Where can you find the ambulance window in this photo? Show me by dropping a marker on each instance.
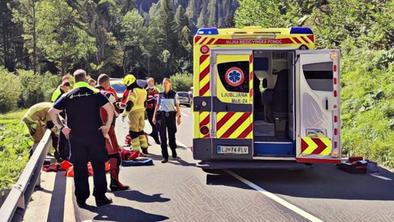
(234, 76)
(319, 76)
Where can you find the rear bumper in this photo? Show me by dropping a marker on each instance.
(256, 164)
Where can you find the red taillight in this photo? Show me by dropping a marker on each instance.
(335, 119)
(335, 131)
(335, 93)
(204, 49)
(334, 68)
(335, 81)
(204, 130)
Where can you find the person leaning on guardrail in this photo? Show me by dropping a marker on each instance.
(86, 135)
(37, 121)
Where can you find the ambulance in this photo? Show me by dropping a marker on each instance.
(264, 94)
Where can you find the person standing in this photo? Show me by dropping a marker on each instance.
(62, 148)
(135, 110)
(87, 135)
(151, 102)
(167, 115)
(112, 146)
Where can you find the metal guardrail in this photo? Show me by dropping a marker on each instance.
(17, 200)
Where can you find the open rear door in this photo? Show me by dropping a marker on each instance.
(317, 106)
(232, 104)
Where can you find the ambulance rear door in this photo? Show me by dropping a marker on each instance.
(232, 103)
(317, 106)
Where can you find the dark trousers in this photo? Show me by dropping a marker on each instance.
(84, 149)
(167, 123)
(150, 113)
(63, 147)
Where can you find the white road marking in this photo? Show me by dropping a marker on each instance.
(380, 177)
(276, 198)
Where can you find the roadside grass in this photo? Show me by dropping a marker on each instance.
(15, 143)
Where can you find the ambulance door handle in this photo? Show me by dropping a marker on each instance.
(326, 103)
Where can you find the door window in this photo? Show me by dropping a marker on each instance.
(319, 76)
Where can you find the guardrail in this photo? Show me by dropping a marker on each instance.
(17, 200)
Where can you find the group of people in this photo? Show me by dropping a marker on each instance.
(85, 117)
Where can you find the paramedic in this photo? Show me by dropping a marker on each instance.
(167, 112)
(135, 110)
(86, 134)
(111, 144)
(150, 107)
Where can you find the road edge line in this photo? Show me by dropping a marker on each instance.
(69, 205)
(275, 198)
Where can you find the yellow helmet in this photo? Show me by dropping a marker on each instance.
(129, 79)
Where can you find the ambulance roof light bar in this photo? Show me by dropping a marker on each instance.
(208, 31)
(300, 30)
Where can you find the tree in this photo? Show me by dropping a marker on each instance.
(62, 37)
(26, 14)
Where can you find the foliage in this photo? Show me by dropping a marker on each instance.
(182, 81)
(35, 87)
(10, 90)
(15, 143)
(363, 30)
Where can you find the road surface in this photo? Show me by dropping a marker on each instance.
(180, 191)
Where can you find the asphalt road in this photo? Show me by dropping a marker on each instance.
(180, 191)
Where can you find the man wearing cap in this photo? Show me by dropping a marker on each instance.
(86, 134)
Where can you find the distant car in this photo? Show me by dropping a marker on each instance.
(118, 85)
(185, 98)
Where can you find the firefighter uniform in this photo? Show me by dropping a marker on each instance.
(82, 106)
(135, 111)
(37, 121)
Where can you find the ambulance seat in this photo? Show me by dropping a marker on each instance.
(280, 95)
(267, 99)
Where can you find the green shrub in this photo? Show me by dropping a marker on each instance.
(15, 143)
(182, 81)
(10, 90)
(36, 87)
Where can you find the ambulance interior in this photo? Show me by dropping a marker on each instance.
(273, 99)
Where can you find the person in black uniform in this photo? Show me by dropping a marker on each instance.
(86, 135)
(167, 115)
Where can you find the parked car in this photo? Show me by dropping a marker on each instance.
(118, 85)
(185, 98)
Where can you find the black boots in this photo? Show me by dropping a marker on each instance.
(102, 200)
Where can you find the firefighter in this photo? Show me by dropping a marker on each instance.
(37, 121)
(167, 115)
(135, 110)
(152, 92)
(111, 144)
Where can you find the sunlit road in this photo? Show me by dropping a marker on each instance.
(180, 191)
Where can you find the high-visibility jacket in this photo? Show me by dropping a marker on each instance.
(138, 98)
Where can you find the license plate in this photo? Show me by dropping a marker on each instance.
(233, 149)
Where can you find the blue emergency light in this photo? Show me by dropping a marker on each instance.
(208, 31)
(300, 30)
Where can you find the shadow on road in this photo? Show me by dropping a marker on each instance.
(122, 213)
(141, 197)
(320, 181)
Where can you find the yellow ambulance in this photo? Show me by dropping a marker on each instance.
(262, 94)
